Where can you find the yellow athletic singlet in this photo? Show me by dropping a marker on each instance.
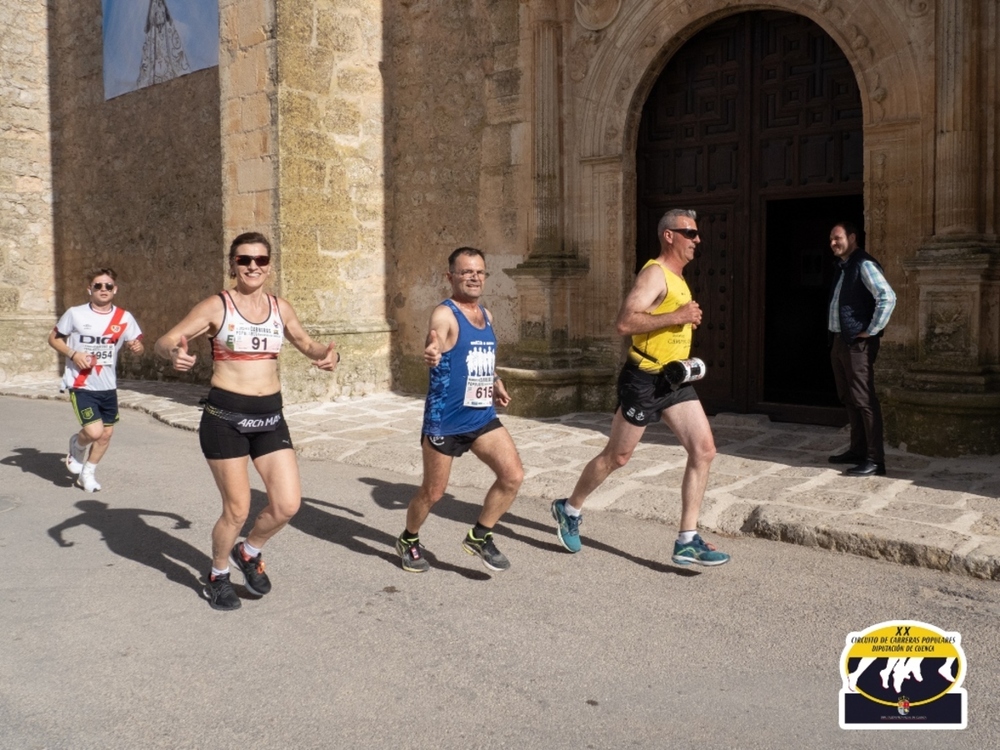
(664, 344)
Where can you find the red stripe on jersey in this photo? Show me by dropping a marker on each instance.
(116, 330)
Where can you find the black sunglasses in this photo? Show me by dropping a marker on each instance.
(99, 286)
(691, 234)
(246, 260)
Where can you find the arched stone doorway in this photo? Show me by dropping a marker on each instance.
(756, 123)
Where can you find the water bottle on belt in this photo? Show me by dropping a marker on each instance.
(683, 371)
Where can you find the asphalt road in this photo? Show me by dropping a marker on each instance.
(105, 641)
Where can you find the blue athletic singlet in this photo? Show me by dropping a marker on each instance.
(460, 396)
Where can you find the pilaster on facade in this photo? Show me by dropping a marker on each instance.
(949, 402)
(28, 281)
(959, 200)
(303, 151)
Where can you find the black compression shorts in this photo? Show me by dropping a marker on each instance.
(456, 445)
(226, 413)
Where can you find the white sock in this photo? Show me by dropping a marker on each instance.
(249, 550)
(216, 572)
(89, 468)
(569, 510)
(686, 537)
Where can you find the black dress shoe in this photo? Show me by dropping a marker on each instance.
(867, 469)
(846, 458)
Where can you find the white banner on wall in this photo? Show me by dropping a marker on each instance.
(151, 41)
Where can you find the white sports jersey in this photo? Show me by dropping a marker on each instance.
(100, 334)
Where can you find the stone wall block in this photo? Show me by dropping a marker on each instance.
(308, 141)
(256, 112)
(307, 174)
(299, 110)
(255, 21)
(254, 175)
(342, 118)
(306, 68)
(246, 75)
(358, 80)
(338, 32)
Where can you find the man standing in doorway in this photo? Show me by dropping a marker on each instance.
(860, 306)
(659, 314)
(460, 415)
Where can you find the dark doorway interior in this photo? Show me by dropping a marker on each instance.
(800, 269)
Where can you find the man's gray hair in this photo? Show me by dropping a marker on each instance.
(668, 219)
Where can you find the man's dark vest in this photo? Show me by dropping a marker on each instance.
(857, 305)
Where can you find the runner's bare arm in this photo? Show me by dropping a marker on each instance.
(58, 342)
(647, 293)
(325, 357)
(205, 317)
(442, 335)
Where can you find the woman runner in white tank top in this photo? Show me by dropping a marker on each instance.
(243, 416)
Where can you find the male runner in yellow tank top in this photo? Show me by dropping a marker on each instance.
(659, 314)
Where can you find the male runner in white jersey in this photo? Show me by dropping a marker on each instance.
(90, 337)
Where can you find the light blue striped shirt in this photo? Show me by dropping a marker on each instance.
(885, 299)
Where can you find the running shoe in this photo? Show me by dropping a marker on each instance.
(411, 554)
(76, 456)
(254, 577)
(88, 481)
(568, 529)
(698, 551)
(220, 593)
(492, 557)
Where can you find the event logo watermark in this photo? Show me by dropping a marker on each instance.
(903, 674)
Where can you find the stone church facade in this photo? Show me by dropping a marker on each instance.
(369, 139)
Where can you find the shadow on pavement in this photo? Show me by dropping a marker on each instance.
(47, 466)
(397, 496)
(129, 536)
(341, 526)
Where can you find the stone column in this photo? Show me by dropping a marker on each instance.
(958, 202)
(546, 137)
(949, 403)
(548, 377)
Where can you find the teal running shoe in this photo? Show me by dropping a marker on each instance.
(568, 529)
(698, 551)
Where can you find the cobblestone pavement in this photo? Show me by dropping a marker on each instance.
(769, 480)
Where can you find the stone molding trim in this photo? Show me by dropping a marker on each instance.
(625, 65)
(594, 15)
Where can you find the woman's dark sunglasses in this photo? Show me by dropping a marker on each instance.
(691, 234)
(246, 260)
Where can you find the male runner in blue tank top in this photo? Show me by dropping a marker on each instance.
(459, 414)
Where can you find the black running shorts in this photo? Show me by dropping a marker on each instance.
(220, 438)
(456, 445)
(643, 396)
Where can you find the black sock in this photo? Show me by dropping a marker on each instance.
(479, 531)
(408, 536)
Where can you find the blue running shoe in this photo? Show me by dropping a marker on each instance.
(568, 530)
(698, 551)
